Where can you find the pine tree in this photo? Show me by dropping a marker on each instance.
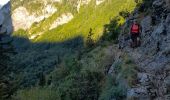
(89, 41)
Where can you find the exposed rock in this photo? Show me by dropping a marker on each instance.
(35, 36)
(5, 19)
(158, 3)
(63, 19)
(146, 24)
(85, 2)
(81, 3)
(143, 78)
(167, 51)
(137, 93)
(57, 1)
(167, 82)
(22, 18)
(98, 2)
(1, 18)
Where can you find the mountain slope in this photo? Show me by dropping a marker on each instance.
(89, 16)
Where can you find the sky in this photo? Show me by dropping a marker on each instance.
(3, 2)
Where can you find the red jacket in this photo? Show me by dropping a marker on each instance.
(135, 29)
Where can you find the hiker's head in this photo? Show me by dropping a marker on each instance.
(134, 21)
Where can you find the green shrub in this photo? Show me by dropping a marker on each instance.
(112, 90)
(111, 30)
(125, 14)
(81, 86)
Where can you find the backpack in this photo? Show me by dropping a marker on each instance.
(135, 29)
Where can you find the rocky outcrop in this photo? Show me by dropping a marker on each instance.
(98, 2)
(63, 19)
(22, 19)
(153, 56)
(81, 3)
(85, 2)
(5, 19)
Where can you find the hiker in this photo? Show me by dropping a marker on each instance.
(135, 31)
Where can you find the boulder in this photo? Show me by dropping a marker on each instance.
(158, 3)
(139, 93)
(143, 78)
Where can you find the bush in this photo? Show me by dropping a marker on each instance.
(81, 86)
(112, 90)
(125, 14)
(111, 30)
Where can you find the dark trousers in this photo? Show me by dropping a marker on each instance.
(134, 36)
